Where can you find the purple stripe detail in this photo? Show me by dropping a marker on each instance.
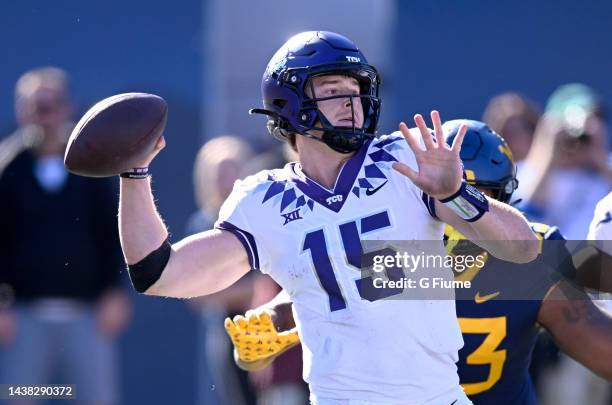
(430, 204)
(274, 189)
(387, 141)
(382, 156)
(373, 172)
(344, 184)
(364, 183)
(288, 197)
(432, 207)
(356, 191)
(247, 240)
(300, 201)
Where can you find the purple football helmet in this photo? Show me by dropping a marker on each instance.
(291, 110)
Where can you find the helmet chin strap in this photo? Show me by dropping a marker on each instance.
(335, 138)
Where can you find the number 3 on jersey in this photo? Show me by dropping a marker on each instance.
(316, 243)
(488, 353)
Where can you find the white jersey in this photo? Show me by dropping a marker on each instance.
(600, 231)
(601, 225)
(306, 238)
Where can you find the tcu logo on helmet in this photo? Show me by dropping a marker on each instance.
(353, 59)
(333, 199)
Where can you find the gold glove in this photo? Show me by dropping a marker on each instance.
(255, 338)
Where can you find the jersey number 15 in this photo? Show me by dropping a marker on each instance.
(350, 234)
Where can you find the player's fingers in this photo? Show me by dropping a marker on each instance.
(410, 138)
(266, 321)
(437, 125)
(241, 322)
(250, 313)
(425, 134)
(252, 321)
(458, 141)
(230, 328)
(406, 171)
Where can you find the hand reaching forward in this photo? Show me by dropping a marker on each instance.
(440, 168)
(256, 340)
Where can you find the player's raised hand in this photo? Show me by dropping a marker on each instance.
(440, 168)
(256, 340)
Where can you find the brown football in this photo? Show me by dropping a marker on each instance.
(116, 134)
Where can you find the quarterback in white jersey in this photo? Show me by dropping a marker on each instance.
(353, 345)
(303, 224)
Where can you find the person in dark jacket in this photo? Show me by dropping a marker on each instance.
(61, 305)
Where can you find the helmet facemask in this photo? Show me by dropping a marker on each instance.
(343, 139)
(308, 120)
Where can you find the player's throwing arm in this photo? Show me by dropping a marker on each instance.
(120, 136)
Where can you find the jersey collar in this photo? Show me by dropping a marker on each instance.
(330, 199)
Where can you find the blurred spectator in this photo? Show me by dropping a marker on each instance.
(218, 165)
(568, 174)
(62, 305)
(566, 170)
(515, 117)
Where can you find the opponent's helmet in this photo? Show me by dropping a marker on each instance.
(487, 160)
(291, 110)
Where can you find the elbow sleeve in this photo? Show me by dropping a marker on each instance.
(147, 271)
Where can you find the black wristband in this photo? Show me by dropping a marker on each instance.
(136, 173)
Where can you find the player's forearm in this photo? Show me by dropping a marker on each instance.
(140, 227)
(580, 329)
(505, 233)
(502, 231)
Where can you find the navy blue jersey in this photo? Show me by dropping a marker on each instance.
(498, 319)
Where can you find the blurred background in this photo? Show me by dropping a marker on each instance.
(206, 58)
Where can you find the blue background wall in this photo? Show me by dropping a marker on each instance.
(456, 55)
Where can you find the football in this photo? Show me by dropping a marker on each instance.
(116, 134)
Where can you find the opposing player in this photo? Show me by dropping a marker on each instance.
(501, 314)
(302, 225)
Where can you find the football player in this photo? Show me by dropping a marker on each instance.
(302, 225)
(503, 311)
(507, 304)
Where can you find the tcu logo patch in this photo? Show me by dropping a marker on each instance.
(353, 59)
(291, 216)
(333, 199)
